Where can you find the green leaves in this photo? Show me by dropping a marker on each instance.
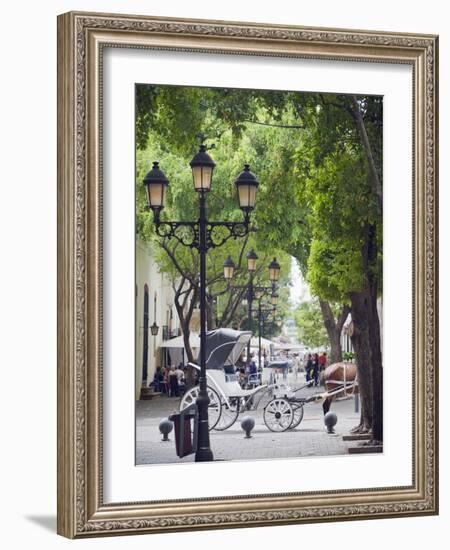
(311, 330)
(314, 201)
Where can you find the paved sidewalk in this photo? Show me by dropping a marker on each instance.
(310, 438)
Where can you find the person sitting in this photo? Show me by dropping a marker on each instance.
(158, 380)
(252, 368)
(164, 381)
(180, 377)
(173, 382)
(242, 379)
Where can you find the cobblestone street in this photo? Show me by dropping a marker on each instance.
(309, 439)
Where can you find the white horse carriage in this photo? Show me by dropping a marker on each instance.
(227, 399)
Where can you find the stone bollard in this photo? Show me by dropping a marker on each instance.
(165, 427)
(247, 424)
(330, 420)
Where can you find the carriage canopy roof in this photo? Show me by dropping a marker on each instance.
(224, 346)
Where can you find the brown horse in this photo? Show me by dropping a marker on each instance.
(340, 381)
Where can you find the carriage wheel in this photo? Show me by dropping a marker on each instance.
(228, 414)
(298, 415)
(214, 407)
(278, 415)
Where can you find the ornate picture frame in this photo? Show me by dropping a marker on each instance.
(82, 511)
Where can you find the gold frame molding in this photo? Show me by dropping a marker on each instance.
(81, 510)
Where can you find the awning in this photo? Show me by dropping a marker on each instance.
(178, 342)
(265, 343)
(288, 346)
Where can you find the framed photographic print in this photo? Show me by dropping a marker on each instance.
(247, 289)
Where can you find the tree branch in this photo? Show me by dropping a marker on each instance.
(274, 125)
(173, 259)
(342, 317)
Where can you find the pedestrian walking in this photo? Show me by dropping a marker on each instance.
(309, 368)
(253, 368)
(315, 362)
(322, 366)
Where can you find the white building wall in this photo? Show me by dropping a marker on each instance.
(158, 284)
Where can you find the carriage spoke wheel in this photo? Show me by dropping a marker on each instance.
(298, 415)
(278, 415)
(214, 407)
(229, 414)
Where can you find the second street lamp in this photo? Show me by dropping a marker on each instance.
(228, 268)
(201, 235)
(274, 271)
(251, 261)
(263, 313)
(254, 292)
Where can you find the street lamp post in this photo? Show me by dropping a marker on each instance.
(202, 236)
(262, 315)
(254, 291)
(251, 268)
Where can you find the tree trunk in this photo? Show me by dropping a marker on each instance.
(367, 341)
(334, 329)
(375, 344)
(190, 373)
(361, 344)
(377, 369)
(210, 313)
(185, 307)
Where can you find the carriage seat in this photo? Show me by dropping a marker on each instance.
(231, 388)
(253, 380)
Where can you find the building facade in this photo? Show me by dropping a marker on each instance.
(153, 304)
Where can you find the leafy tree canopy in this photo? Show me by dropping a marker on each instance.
(315, 199)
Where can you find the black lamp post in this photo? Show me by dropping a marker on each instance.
(263, 313)
(251, 268)
(202, 236)
(254, 292)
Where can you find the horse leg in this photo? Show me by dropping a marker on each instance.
(326, 405)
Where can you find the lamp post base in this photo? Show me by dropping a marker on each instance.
(204, 455)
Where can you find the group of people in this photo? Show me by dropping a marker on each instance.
(170, 381)
(315, 365)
